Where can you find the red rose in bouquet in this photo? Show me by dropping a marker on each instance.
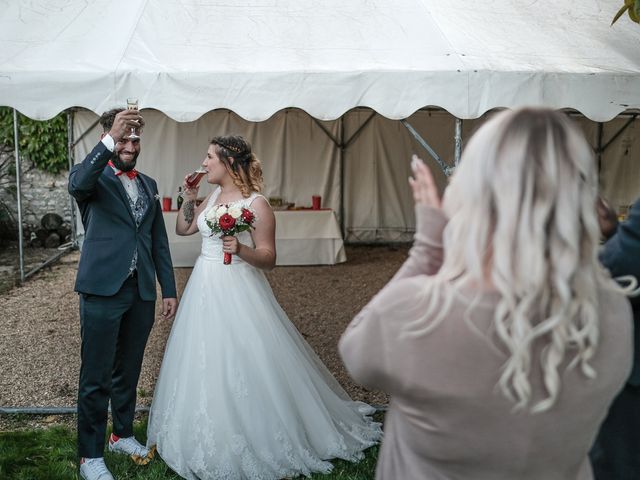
(227, 222)
(247, 215)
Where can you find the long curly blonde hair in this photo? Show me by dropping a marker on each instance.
(522, 219)
(245, 169)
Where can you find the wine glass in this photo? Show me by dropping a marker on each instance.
(191, 181)
(194, 178)
(132, 104)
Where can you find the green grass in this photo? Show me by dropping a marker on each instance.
(50, 454)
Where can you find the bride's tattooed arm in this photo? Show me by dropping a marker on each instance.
(186, 223)
(187, 210)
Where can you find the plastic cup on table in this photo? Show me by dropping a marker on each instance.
(316, 201)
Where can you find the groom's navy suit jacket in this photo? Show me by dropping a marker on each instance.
(621, 255)
(111, 234)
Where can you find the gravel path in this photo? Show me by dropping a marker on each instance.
(40, 338)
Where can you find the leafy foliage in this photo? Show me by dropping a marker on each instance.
(43, 142)
(632, 7)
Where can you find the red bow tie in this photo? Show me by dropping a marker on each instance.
(131, 173)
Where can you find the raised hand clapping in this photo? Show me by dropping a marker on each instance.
(425, 191)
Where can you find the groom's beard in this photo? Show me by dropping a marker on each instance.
(122, 165)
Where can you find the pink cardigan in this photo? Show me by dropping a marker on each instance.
(447, 418)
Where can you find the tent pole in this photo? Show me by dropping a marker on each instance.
(359, 131)
(326, 132)
(458, 142)
(72, 205)
(342, 145)
(63, 248)
(351, 139)
(599, 146)
(18, 193)
(343, 226)
(82, 135)
(619, 132)
(446, 169)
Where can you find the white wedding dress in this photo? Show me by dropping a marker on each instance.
(241, 395)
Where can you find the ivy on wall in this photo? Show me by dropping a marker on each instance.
(43, 142)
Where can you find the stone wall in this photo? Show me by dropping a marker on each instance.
(42, 193)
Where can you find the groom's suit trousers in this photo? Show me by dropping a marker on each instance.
(114, 333)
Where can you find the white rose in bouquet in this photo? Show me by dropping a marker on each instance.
(221, 210)
(235, 211)
(211, 215)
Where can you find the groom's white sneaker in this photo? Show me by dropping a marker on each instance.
(130, 446)
(94, 469)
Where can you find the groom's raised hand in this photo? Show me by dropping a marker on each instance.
(169, 307)
(123, 122)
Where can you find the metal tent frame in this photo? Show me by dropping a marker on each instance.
(64, 249)
(341, 143)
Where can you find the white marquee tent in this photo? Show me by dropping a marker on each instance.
(318, 86)
(256, 57)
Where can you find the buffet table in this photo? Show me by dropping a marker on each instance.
(303, 237)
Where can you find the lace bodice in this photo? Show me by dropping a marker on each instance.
(211, 244)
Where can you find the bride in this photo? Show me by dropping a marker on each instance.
(240, 393)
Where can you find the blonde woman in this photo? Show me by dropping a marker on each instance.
(240, 393)
(501, 340)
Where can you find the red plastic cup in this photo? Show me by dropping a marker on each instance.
(316, 201)
(166, 204)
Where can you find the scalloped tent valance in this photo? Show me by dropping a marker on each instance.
(256, 57)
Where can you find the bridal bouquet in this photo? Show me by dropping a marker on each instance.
(229, 220)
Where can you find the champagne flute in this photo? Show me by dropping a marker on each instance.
(132, 104)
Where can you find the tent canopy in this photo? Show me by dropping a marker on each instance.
(257, 57)
(237, 66)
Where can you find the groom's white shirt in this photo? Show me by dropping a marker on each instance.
(129, 184)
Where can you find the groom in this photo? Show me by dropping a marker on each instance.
(125, 247)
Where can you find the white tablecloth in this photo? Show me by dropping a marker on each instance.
(303, 237)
